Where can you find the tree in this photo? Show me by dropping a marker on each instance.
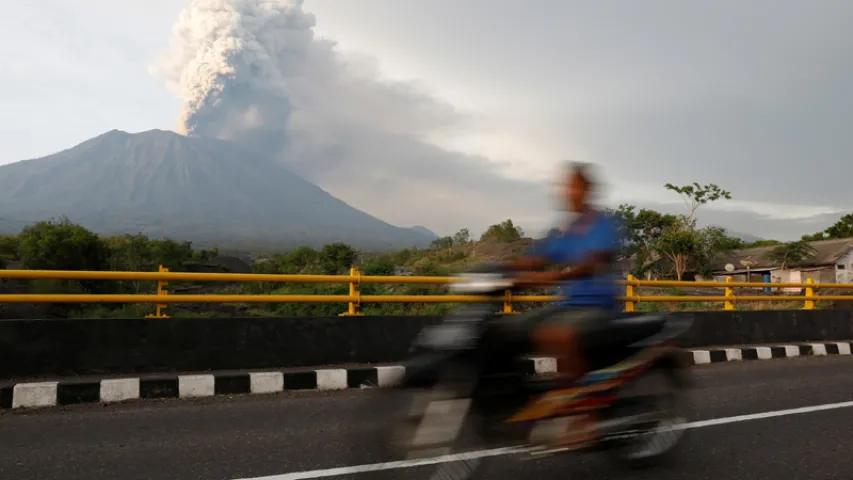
(300, 260)
(504, 232)
(711, 242)
(696, 195)
(382, 266)
(170, 253)
(441, 243)
(843, 228)
(791, 253)
(61, 245)
(678, 242)
(9, 246)
(640, 231)
(461, 237)
(717, 239)
(8, 249)
(336, 258)
(762, 243)
(130, 253)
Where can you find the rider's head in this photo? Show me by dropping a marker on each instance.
(578, 187)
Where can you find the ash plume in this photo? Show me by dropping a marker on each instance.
(253, 71)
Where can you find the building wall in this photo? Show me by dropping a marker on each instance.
(840, 272)
(824, 275)
(844, 269)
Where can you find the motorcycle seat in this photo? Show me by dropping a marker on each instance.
(616, 342)
(627, 328)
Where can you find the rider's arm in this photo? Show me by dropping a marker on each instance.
(537, 257)
(606, 238)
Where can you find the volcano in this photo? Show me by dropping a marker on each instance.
(208, 191)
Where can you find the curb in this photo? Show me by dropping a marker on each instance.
(106, 391)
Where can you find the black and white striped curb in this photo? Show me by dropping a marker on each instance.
(734, 354)
(70, 392)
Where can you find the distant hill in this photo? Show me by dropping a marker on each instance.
(424, 231)
(744, 236)
(208, 191)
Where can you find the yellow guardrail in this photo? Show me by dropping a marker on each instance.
(354, 299)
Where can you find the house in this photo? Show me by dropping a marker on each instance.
(832, 263)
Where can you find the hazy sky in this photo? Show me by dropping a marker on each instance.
(755, 96)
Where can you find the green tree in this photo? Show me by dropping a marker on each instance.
(336, 258)
(130, 253)
(403, 256)
(762, 243)
(300, 260)
(680, 241)
(61, 245)
(696, 195)
(441, 243)
(791, 253)
(171, 254)
(640, 231)
(382, 266)
(461, 237)
(843, 228)
(504, 232)
(712, 241)
(9, 246)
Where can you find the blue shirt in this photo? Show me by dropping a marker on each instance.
(572, 247)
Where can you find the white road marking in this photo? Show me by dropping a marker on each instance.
(375, 467)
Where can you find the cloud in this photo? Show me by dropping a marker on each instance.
(253, 71)
(653, 109)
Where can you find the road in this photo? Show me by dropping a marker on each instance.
(255, 436)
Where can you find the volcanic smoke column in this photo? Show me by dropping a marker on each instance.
(235, 63)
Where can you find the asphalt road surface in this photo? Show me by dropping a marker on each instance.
(310, 435)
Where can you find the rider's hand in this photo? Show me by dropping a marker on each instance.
(533, 279)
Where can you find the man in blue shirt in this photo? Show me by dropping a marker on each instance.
(584, 253)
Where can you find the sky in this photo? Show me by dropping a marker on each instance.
(459, 113)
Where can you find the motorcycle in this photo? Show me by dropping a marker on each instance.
(468, 385)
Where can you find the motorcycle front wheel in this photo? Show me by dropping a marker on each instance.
(436, 424)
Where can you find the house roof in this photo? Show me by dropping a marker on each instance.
(229, 263)
(828, 252)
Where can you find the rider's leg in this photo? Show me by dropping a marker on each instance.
(562, 336)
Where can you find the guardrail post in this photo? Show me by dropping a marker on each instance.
(809, 304)
(730, 293)
(508, 303)
(630, 304)
(352, 309)
(161, 290)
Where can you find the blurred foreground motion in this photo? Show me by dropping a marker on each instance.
(621, 383)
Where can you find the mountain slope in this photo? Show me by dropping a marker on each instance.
(203, 190)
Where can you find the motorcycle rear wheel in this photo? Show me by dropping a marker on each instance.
(657, 442)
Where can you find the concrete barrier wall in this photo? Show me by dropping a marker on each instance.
(147, 345)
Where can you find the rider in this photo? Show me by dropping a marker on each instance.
(588, 247)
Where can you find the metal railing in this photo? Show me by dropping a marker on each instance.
(355, 299)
